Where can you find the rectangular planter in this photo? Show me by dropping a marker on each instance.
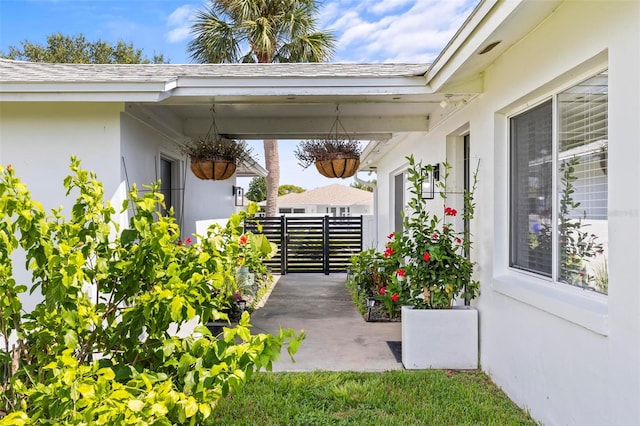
(440, 338)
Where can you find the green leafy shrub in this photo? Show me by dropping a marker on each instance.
(78, 360)
(429, 249)
(369, 273)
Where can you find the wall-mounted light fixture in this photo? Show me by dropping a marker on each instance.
(459, 102)
(238, 195)
(431, 176)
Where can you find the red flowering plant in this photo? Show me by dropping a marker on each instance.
(431, 252)
(394, 294)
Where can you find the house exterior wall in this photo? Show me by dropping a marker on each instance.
(38, 139)
(567, 355)
(194, 199)
(321, 209)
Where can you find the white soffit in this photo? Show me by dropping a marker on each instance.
(459, 67)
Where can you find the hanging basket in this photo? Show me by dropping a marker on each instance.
(339, 167)
(212, 169)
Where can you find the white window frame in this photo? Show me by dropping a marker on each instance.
(587, 309)
(177, 181)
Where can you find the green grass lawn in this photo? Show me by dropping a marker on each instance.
(429, 397)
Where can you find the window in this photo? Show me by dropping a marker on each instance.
(398, 201)
(339, 211)
(284, 210)
(558, 169)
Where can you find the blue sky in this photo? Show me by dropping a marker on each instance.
(401, 31)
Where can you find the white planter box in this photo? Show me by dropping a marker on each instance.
(440, 338)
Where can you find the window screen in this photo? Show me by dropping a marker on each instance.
(531, 190)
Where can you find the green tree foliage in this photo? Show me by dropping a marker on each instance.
(359, 185)
(115, 361)
(66, 49)
(261, 31)
(257, 189)
(289, 189)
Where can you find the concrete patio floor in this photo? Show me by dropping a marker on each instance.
(338, 338)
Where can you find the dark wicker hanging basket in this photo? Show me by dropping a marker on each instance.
(213, 169)
(339, 167)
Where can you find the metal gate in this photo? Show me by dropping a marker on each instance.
(311, 244)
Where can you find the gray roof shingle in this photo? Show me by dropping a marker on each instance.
(332, 195)
(26, 72)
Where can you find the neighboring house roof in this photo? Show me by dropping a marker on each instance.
(332, 195)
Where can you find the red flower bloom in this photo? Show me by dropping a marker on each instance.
(401, 272)
(458, 240)
(390, 236)
(435, 236)
(188, 240)
(426, 256)
(445, 229)
(388, 252)
(243, 240)
(450, 211)
(395, 297)
(383, 290)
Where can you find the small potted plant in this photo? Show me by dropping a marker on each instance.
(215, 157)
(334, 157)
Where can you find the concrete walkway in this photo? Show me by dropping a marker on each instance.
(338, 338)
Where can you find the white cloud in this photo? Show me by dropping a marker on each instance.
(180, 23)
(383, 7)
(410, 30)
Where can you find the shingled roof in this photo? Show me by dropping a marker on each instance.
(20, 71)
(332, 195)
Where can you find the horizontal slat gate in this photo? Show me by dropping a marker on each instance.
(311, 244)
(274, 229)
(345, 241)
(305, 244)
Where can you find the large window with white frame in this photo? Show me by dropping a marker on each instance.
(558, 186)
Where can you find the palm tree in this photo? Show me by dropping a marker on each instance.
(262, 31)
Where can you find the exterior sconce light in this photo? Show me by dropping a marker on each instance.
(431, 176)
(238, 195)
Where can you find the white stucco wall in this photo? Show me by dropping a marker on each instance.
(38, 139)
(568, 356)
(195, 199)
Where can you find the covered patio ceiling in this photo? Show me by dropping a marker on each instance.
(376, 102)
(300, 101)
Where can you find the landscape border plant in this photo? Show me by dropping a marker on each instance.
(78, 360)
(427, 263)
(430, 252)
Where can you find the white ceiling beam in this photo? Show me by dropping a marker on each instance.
(307, 127)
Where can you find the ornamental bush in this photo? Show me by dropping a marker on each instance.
(97, 349)
(431, 253)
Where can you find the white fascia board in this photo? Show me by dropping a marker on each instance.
(461, 37)
(253, 166)
(80, 97)
(301, 86)
(86, 91)
(482, 27)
